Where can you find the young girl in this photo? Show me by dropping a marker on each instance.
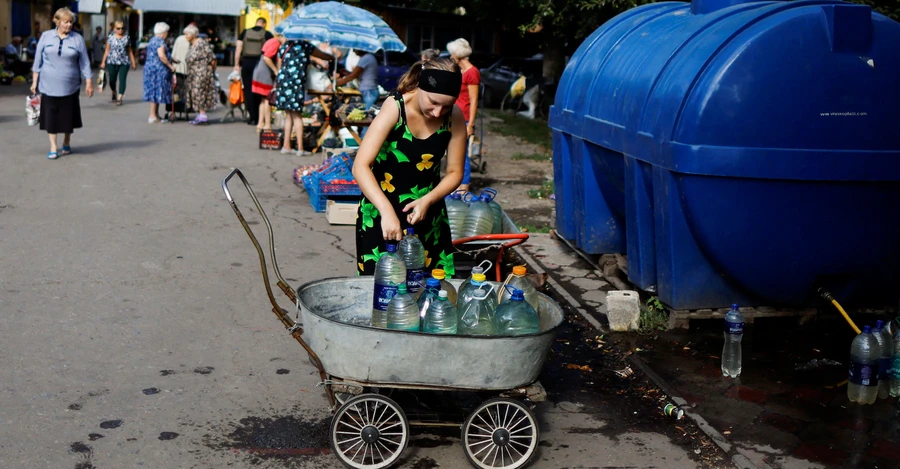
(398, 166)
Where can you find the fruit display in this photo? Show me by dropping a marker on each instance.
(356, 115)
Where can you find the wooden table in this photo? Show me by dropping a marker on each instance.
(343, 95)
(346, 123)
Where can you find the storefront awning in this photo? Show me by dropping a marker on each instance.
(203, 7)
(90, 6)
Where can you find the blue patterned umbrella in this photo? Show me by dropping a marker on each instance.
(341, 25)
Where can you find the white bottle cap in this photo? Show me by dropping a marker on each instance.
(442, 294)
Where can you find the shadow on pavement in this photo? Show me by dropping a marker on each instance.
(102, 147)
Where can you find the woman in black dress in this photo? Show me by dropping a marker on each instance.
(398, 166)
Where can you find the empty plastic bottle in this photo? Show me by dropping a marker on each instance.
(402, 313)
(476, 317)
(732, 355)
(429, 294)
(491, 195)
(515, 316)
(518, 280)
(390, 272)
(445, 285)
(478, 269)
(457, 210)
(413, 253)
(441, 316)
(475, 288)
(480, 219)
(895, 368)
(863, 378)
(886, 352)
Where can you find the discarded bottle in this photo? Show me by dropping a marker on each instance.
(518, 280)
(413, 253)
(457, 210)
(478, 269)
(390, 272)
(886, 352)
(476, 316)
(672, 410)
(428, 296)
(863, 378)
(491, 195)
(731, 352)
(473, 288)
(480, 219)
(402, 313)
(445, 285)
(516, 317)
(441, 316)
(895, 368)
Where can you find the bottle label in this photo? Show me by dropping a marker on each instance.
(863, 374)
(884, 368)
(383, 296)
(415, 279)
(734, 327)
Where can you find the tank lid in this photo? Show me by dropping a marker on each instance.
(391, 247)
(702, 7)
(519, 270)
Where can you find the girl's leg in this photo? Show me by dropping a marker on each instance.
(288, 127)
(263, 122)
(53, 145)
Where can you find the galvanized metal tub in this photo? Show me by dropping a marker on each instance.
(335, 315)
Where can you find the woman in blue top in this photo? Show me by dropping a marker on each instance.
(60, 63)
(158, 70)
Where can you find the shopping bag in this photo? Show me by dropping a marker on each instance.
(33, 109)
(236, 93)
(101, 79)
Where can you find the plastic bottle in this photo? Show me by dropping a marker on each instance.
(863, 378)
(474, 288)
(478, 269)
(886, 352)
(476, 316)
(732, 355)
(441, 316)
(895, 369)
(413, 253)
(457, 210)
(480, 219)
(491, 195)
(445, 285)
(515, 316)
(518, 280)
(429, 294)
(390, 272)
(402, 313)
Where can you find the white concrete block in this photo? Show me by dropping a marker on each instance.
(623, 309)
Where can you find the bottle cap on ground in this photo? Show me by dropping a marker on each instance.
(432, 283)
(867, 330)
(442, 294)
(391, 247)
(519, 270)
(401, 289)
(439, 274)
(478, 277)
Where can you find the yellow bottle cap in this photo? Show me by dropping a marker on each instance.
(479, 277)
(439, 274)
(519, 270)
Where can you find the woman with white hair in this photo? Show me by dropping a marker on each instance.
(460, 50)
(201, 79)
(158, 71)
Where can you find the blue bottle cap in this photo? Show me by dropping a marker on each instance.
(867, 330)
(432, 282)
(391, 247)
(410, 231)
(879, 325)
(734, 306)
(517, 295)
(455, 196)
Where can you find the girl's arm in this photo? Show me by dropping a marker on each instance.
(362, 168)
(105, 55)
(456, 154)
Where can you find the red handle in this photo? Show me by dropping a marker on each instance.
(514, 240)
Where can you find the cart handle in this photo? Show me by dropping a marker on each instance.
(512, 239)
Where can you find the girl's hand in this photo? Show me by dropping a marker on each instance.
(390, 226)
(416, 210)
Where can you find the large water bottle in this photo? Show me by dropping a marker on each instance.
(413, 253)
(445, 285)
(390, 272)
(478, 269)
(518, 280)
(402, 313)
(491, 195)
(441, 316)
(515, 316)
(732, 355)
(476, 317)
(428, 296)
(480, 219)
(895, 368)
(863, 379)
(474, 288)
(457, 210)
(886, 349)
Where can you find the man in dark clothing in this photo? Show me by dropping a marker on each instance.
(246, 56)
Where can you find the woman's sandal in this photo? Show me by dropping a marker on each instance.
(52, 155)
(119, 102)
(65, 150)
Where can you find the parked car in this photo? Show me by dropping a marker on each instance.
(499, 77)
(392, 66)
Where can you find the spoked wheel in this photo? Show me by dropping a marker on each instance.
(369, 432)
(500, 433)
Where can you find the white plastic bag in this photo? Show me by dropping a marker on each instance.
(101, 80)
(33, 109)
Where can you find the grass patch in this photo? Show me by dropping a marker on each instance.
(532, 156)
(530, 130)
(543, 192)
(535, 229)
(653, 316)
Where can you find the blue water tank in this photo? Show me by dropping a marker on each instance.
(738, 152)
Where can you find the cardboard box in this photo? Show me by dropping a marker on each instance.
(341, 213)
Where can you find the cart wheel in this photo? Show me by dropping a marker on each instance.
(369, 431)
(500, 433)
(483, 168)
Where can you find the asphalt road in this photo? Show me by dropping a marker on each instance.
(135, 330)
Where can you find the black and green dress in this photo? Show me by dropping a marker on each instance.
(407, 168)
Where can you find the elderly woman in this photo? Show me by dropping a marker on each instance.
(460, 50)
(116, 59)
(201, 79)
(60, 64)
(158, 71)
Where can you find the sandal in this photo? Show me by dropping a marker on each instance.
(52, 155)
(199, 121)
(288, 151)
(66, 150)
(119, 102)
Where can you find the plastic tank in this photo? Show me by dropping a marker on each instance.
(738, 152)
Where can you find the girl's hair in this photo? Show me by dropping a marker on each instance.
(63, 12)
(410, 80)
(429, 54)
